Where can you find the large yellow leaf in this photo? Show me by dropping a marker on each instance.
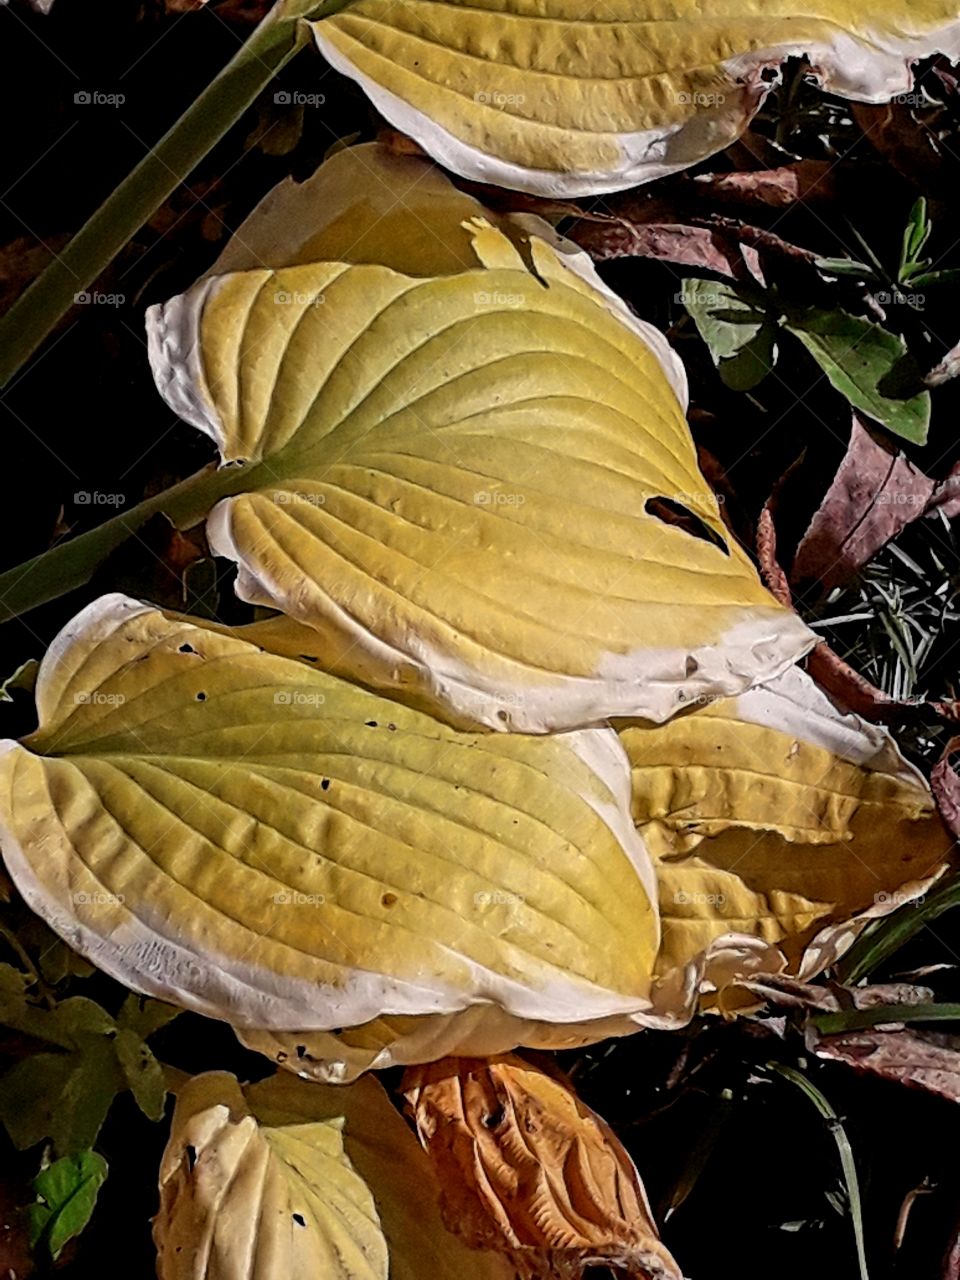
(529, 1169)
(463, 482)
(578, 96)
(283, 1180)
(241, 834)
(773, 820)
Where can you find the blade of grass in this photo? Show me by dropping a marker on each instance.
(883, 938)
(877, 1015)
(846, 1154)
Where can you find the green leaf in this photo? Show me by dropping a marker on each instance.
(143, 1074)
(736, 327)
(915, 236)
(846, 267)
(864, 362)
(66, 1195)
(146, 1016)
(883, 938)
(25, 677)
(65, 1095)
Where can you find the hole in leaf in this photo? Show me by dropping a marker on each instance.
(681, 517)
(187, 648)
(191, 1154)
(201, 696)
(493, 1119)
(299, 1219)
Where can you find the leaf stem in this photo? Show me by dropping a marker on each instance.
(73, 563)
(35, 313)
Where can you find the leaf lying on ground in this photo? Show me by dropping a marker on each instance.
(394, 440)
(66, 1196)
(777, 824)
(526, 1168)
(875, 494)
(288, 1181)
(946, 786)
(865, 363)
(589, 96)
(739, 332)
(925, 1060)
(249, 837)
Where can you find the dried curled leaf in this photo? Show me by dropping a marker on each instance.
(774, 820)
(478, 487)
(569, 97)
(526, 1168)
(246, 836)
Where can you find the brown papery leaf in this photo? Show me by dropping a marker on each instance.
(945, 785)
(531, 1171)
(919, 1059)
(874, 496)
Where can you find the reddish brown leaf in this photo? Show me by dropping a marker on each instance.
(945, 785)
(528, 1169)
(807, 180)
(875, 494)
(919, 1059)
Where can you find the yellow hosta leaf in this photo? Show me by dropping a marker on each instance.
(241, 1200)
(772, 816)
(384, 1151)
(464, 482)
(569, 97)
(528, 1169)
(246, 836)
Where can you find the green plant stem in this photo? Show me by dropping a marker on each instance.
(71, 564)
(34, 315)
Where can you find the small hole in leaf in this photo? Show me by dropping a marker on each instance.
(769, 75)
(681, 517)
(191, 1154)
(371, 724)
(493, 1119)
(301, 1050)
(299, 1219)
(201, 696)
(187, 648)
(325, 784)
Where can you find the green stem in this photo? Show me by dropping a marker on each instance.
(71, 564)
(34, 315)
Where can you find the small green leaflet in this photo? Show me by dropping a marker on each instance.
(64, 1094)
(866, 364)
(737, 328)
(66, 1196)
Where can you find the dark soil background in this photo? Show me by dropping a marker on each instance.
(742, 1173)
